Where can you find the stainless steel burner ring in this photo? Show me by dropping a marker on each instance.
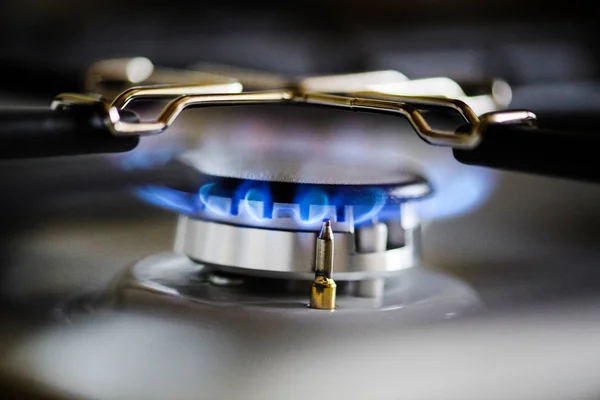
(367, 252)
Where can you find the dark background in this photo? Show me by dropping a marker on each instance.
(46, 45)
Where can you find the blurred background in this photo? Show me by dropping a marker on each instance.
(521, 241)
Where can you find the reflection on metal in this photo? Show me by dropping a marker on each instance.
(169, 278)
(156, 92)
(370, 239)
(251, 79)
(103, 76)
(323, 288)
(408, 106)
(125, 70)
(349, 83)
(499, 96)
(285, 253)
(409, 100)
(110, 77)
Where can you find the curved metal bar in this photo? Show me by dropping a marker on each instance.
(414, 116)
(161, 91)
(229, 95)
(172, 110)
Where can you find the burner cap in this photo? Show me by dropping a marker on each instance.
(297, 198)
(285, 205)
(320, 166)
(271, 179)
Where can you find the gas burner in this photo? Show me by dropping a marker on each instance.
(277, 246)
(269, 228)
(266, 224)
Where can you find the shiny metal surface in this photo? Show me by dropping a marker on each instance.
(174, 281)
(110, 77)
(499, 96)
(372, 238)
(323, 293)
(301, 165)
(323, 288)
(348, 83)
(227, 93)
(325, 250)
(101, 77)
(284, 253)
(124, 98)
(402, 105)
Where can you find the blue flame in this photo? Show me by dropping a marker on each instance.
(387, 212)
(311, 204)
(257, 204)
(204, 192)
(145, 160)
(365, 214)
(170, 199)
(153, 151)
(458, 191)
(217, 205)
(315, 197)
(257, 200)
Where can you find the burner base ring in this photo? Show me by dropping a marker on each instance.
(288, 254)
(170, 279)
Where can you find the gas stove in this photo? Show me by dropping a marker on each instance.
(273, 245)
(259, 245)
(279, 229)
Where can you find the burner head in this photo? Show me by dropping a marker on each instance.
(290, 161)
(277, 205)
(269, 227)
(280, 204)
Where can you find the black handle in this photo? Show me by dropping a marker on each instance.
(573, 155)
(78, 129)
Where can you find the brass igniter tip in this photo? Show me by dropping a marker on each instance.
(322, 292)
